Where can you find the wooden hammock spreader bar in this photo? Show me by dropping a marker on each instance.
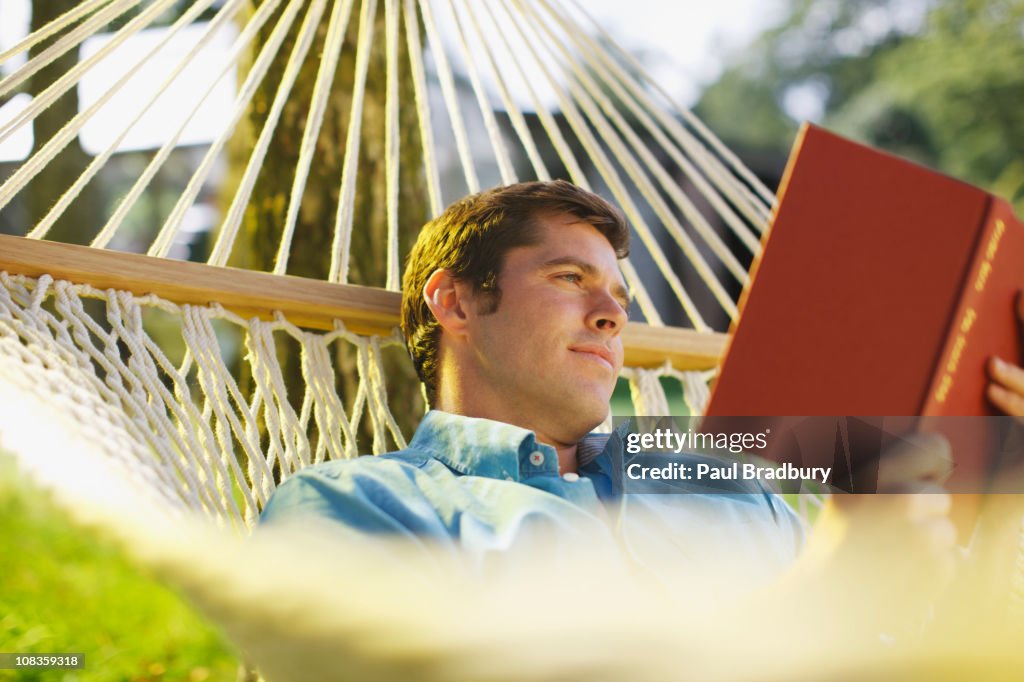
(310, 303)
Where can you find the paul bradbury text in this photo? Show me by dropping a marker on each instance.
(735, 471)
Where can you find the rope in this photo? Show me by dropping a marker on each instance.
(508, 175)
(321, 93)
(74, 379)
(597, 62)
(219, 450)
(115, 221)
(98, 426)
(766, 198)
(195, 456)
(392, 144)
(338, 436)
(381, 392)
(350, 164)
(444, 74)
(547, 121)
(202, 342)
(595, 108)
(610, 176)
(636, 285)
(53, 27)
(73, 75)
(647, 393)
(640, 179)
(63, 44)
(511, 108)
(363, 362)
(37, 161)
(117, 378)
(287, 444)
(640, 104)
(229, 228)
(125, 318)
(192, 435)
(43, 226)
(419, 83)
(169, 230)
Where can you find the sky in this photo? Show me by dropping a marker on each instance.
(687, 41)
(682, 44)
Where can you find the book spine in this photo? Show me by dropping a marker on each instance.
(962, 327)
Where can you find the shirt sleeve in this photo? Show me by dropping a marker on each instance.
(377, 497)
(315, 494)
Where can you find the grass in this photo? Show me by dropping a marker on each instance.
(66, 590)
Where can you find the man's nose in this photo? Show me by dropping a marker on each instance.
(607, 314)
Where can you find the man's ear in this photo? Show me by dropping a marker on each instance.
(446, 298)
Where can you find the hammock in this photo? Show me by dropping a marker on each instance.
(149, 439)
(203, 440)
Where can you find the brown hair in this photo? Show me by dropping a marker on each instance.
(470, 240)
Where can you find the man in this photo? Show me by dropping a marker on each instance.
(513, 307)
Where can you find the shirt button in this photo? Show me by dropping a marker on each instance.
(537, 458)
(571, 477)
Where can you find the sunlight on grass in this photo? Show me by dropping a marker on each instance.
(67, 590)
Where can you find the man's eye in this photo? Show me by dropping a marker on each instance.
(571, 277)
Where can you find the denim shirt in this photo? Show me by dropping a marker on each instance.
(476, 485)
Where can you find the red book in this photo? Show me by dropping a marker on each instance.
(882, 289)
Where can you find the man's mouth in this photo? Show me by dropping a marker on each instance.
(596, 353)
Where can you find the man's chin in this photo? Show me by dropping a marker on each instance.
(574, 410)
(593, 413)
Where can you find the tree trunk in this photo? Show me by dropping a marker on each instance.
(312, 242)
(79, 222)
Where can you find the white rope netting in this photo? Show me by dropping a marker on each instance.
(184, 431)
(185, 426)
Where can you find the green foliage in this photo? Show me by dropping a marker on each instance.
(761, 125)
(622, 401)
(965, 83)
(66, 590)
(940, 82)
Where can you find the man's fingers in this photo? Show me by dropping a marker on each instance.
(1007, 401)
(1007, 388)
(917, 460)
(1006, 391)
(1020, 321)
(1009, 375)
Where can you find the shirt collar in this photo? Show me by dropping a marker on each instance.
(600, 457)
(483, 447)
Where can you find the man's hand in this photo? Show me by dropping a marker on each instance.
(909, 513)
(1007, 388)
(1006, 391)
(885, 557)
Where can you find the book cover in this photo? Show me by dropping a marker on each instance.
(882, 289)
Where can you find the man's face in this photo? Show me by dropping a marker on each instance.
(551, 352)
